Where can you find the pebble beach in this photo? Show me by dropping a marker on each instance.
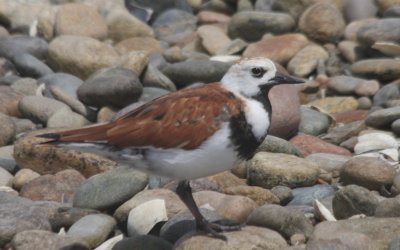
(326, 177)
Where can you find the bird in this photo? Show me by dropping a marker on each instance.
(190, 133)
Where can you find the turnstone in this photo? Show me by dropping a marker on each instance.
(192, 132)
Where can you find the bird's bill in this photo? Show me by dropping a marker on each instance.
(281, 78)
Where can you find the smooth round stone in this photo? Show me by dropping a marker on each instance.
(206, 16)
(272, 169)
(359, 9)
(383, 117)
(352, 200)
(111, 87)
(80, 19)
(283, 220)
(386, 93)
(367, 88)
(368, 172)
(328, 162)
(174, 25)
(309, 144)
(138, 242)
(382, 69)
(150, 93)
(344, 85)
(131, 44)
(66, 82)
(352, 28)
(351, 51)
(306, 60)
(260, 195)
(283, 193)
(45, 22)
(24, 176)
(160, 7)
(123, 25)
(135, 61)
(7, 129)
(9, 164)
(26, 86)
(388, 208)
(153, 77)
(40, 239)
(313, 122)
(392, 12)
(93, 55)
(185, 73)
(246, 238)
(364, 103)
(339, 134)
(213, 38)
(322, 22)
(396, 127)
(66, 118)
(10, 99)
(29, 66)
(58, 187)
(93, 229)
(363, 233)
(12, 46)
(275, 144)
(110, 189)
(386, 29)
(7, 67)
(39, 109)
(335, 104)
(233, 47)
(252, 25)
(307, 195)
(375, 141)
(279, 48)
(6, 179)
(106, 113)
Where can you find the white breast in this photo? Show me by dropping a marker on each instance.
(257, 117)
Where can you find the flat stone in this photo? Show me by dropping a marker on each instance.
(306, 60)
(344, 85)
(11, 46)
(381, 69)
(313, 122)
(386, 29)
(383, 117)
(93, 229)
(335, 104)
(39, 109)
(367, 88)
(40, 239)
(260, 195)
(25, 86)
(308, 144)
(252, 25)
(213, 38)
(206, 17)
(153, 77)
(347, 117)
(101, 88)
(360, 9)
(233, 47)
(364, 233)
(272, 169)
(279, 48)
(368, 172)
(322, 22)
(59, 187)
(29, 66)
(94, 55)
(275, 144)
(385, 94)
(47, 159)
(283, 220)
(352, 200)
(66, 118)
(305, 196)
(328, 162)
(147, 44)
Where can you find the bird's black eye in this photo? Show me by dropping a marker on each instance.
(258, 72)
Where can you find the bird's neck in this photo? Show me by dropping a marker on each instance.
(263, 98)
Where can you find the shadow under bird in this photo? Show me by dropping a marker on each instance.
(190, 133)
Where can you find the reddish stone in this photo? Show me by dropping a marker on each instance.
(308, 144)
(206, 16)
(350, 116)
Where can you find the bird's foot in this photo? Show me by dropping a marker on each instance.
(213, 228)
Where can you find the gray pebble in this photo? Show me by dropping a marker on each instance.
(313, 122)
(307, 195)
(29, 66)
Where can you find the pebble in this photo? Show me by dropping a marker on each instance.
(25, 86)
(383, 117)
(260, 195)
(213, 38)
(386, 94)
(283, 193)
(24, 176)
(135, 61)
(96, 91)
(306, 60)
(335, 104)
(313, 122)
(381, 69)
(10, 99)
(7, 129)
(92, 229)
(364, 103)
(252, 25)
(153, 77)
(110, 189)
(280, 48)
(271, 169)
(66, 118)
(60, 187)
(207, 17)
(283, 220)
(147, 44)
(305, 196)
(149, 242)
(363, 233)
(65, 216)
(339, 134)
(275, 144)
(29, 66)
(66, 82)
(94, 55)
(367, 88)
(344, 85)
(352, 200)
(322, 22)
(150, 93)
(360, 9)
(11, 46)
(368, 172)
(6, 179)
(374, 142)
(235, 46)
(388, 208)
(386, 29)
(309, 144)
(328, 162)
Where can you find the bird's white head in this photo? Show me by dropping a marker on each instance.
(250, 75)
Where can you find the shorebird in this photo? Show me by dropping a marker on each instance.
(190, 133)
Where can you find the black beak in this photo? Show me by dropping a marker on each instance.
(280, 78)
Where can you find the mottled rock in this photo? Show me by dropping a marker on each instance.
(47, 159)
(93, 229)
(153, 77)
(284, 194)
(135, 61)
(307, 195)
(386, 29)
(65, 216)
(382, 69)
(81, 20)
(147, 44)
(260, 195)
(322, 22)
(306, 60)
(111, 189)
(9, 99)
(272, 169)
(252, 25)
(335, 104)
(278, 48)
(94, 55)
(24, 176)
(352, 200)
(213, 38)
(388, 208)
(285, 221)
(313, 122)
(274, 144)
(308, 144)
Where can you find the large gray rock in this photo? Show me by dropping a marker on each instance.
(110, 189)
(111, 86)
